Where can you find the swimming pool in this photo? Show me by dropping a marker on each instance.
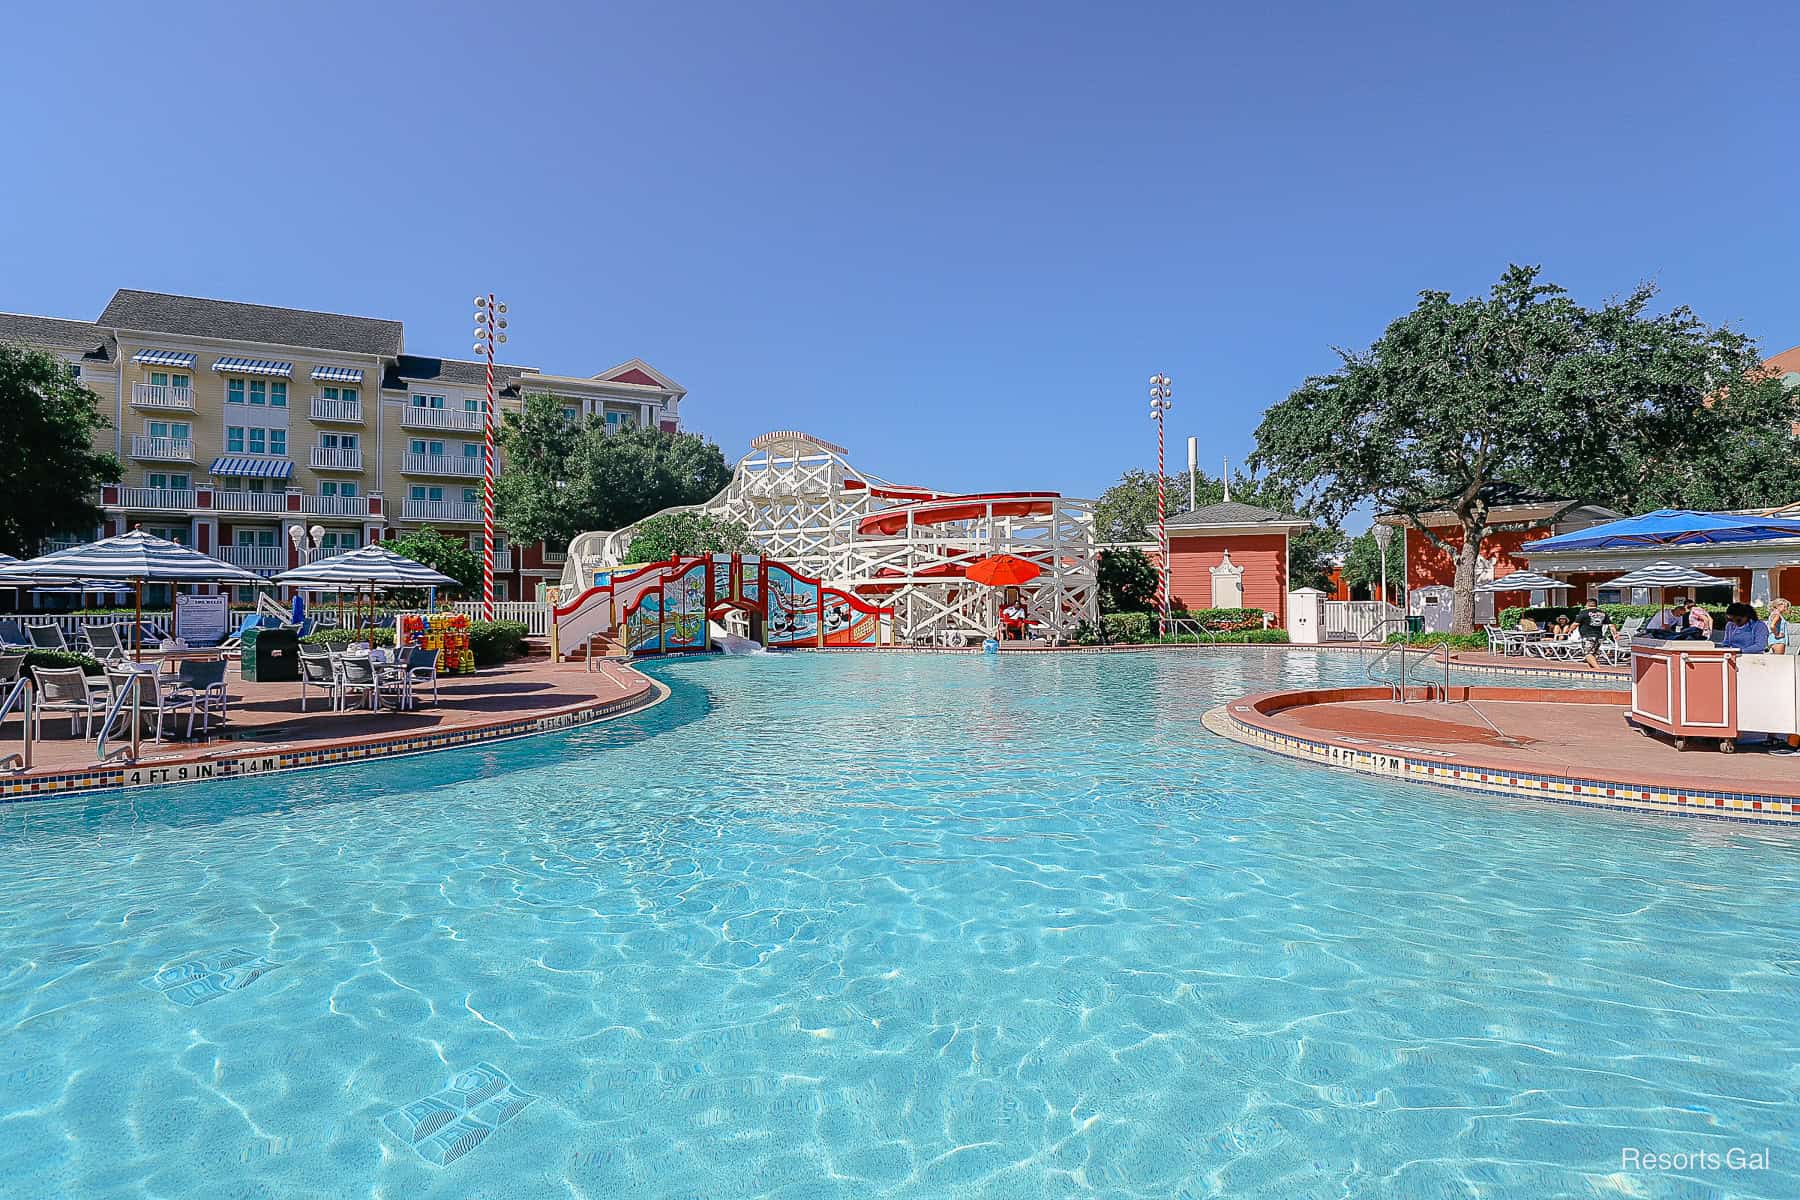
(890, 925)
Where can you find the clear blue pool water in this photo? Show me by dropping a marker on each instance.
(894, 926)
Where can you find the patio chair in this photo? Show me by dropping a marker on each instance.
(13, 634)
(151, 697)
(1557, 649)
(1619, 649)
(201, 685)
(46, 637)
(357, 673)
(420, 669)
(11, 665)
(68, 690)
(319, 669)
(105, 642)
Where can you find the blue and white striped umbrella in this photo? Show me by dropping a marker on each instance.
(1665, 574)
(371, 566)
(1521, 581)
(136, 557)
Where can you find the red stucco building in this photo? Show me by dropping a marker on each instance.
(1232, 555)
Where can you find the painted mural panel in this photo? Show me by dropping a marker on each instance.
(750, 587)
(721, 577)
(685, 604)
(643, 625)
(850, 621)
(793, 608)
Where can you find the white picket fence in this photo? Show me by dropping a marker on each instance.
(1360, 620)
(533, 615)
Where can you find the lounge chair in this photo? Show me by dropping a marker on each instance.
(13, 634)
(105, 642)
(46, 637)
(68, 690)
(1558, 649)
(1619, 649)
(10, 666)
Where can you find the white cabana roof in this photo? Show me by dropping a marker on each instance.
(135, 557)
(369, 566)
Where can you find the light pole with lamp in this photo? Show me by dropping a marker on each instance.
(1383, 535)
(490, 329)
(1160, 391)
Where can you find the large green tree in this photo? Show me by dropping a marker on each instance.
(671, 535)
(1126, 512)
(1461, 402)
(440, 552)
(48, 425)
(1127, 580)
(563, 478)
(1362, 564)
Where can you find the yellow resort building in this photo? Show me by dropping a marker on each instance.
(237, 424)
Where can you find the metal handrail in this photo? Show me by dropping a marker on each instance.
(1397, 690)
(23, 694)
(135, 691)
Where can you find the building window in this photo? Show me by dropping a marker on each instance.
(569, 413)
(469, 495)
(421, 446)
(74, 370)
(348, 395)
(259, 392)
(179, 430)
(333, 487)
(335, 542)
(234, 439)
(278, 393)
(423, 401)
(234, 391)
(170, 533)
(165, 379)
(338, 441)
(473, 449)
(473, 406)
(421, 492)
(167, 482)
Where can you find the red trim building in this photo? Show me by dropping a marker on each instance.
(1219, 553)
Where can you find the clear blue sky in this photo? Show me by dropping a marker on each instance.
(955, 238)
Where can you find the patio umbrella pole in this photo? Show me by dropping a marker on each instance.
(137, 620)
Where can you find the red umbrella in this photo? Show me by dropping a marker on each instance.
(1004, 570)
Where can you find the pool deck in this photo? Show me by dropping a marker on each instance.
(266, 730)
(1571, 746)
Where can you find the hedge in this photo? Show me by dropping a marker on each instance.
(1234, 625)
(375, 635)
(496, 642)
(61, 659)
(1456, 641)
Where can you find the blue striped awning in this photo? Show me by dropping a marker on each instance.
(337, 375)
(252, 366)
(164, 358)
(232, 467)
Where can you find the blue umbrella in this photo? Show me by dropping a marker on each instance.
(1672, 527)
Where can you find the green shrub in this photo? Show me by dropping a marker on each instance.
(61, 659)
(1237, 625)
(1456, 641)
(375, 635)
(1128, 627)
(495, 642)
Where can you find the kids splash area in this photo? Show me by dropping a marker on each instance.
(845, 558)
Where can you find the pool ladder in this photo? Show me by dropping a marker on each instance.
(21, 694)
(1401, 653)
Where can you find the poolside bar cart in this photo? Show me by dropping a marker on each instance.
(1696, 689)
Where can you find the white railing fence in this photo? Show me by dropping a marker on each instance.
(1357, 620)
(533, 615)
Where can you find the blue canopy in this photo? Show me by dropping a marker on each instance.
(1672, 527)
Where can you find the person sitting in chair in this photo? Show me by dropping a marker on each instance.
(1743, 631)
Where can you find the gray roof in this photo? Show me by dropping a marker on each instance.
(1233, 513)
(445, 370)
(54, 333)
(158, 312)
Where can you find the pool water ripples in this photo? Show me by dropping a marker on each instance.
(894, 925)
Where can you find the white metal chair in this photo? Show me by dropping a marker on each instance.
(68, 690)
(418, 671)
(357, 673)
(151, 697)
(1619, 649)
(319, 669)
(201, 687)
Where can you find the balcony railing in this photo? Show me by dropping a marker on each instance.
(441, 464)
(176, 499)
(338, 506)
(268, 559)
(162, 395)
(332, 458)
(503, 559)
(250, 502)
(162, 449)
(52, 545)
(344, 412)
(415, 417)
(439, 510)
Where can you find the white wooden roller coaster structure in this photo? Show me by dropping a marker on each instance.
(804, 503)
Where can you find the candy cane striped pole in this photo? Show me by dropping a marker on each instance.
(1160, 392)
(490, 326)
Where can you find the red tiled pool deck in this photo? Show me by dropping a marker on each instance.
(266, 730)
(1571, 746)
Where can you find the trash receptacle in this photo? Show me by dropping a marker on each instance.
(270, 656)
(1415, 625)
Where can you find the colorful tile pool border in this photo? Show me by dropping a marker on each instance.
(240, 764)
(1234, 722)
